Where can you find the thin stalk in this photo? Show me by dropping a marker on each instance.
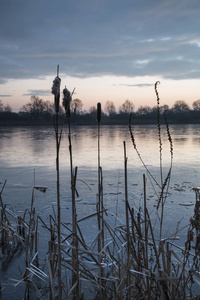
(159, 131)
(58, 208)
(56, 92)
(160, 151)
(127, 221)
(99, 192)
(75, 264)
(100, 202)
(146, 233)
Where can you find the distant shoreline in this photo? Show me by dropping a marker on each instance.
(151, 118)
(43, 124)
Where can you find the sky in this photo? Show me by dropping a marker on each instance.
(109, 50)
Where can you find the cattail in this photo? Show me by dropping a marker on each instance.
(67, 98)
(56, 86)
(98, 112)
(56, 92)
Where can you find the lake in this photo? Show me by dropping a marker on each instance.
(28, 154)
(27, 158)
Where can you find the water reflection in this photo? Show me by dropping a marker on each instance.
(36, 146)
(180, 140)
(26, 149)
(196, 141)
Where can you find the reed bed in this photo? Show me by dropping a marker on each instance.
(127, 261)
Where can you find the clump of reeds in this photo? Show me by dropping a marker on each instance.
(19, 234)
(12, 233)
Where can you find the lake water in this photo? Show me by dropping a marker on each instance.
(27, 157)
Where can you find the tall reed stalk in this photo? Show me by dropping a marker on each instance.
(127, 223)
(67, 97)
(164, 183)
(160, 151)
(100, 207)
(100, 186)
(56, 92)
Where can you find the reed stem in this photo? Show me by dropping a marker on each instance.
(58, 208)
(127, 221)
(75, 263)
(100, 207)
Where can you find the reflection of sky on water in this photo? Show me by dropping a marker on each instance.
(23, 150)
(35, 146)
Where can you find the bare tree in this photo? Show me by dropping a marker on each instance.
(196, 105)
(1, 106)
(143, 110)
(49, 107)
(164, 108)
(35, 106)
(7, 108)
(92, 109)
(127, 107)
(110, 108)
(76, 106)
(180, 106)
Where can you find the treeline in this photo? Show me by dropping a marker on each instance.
(40, 112)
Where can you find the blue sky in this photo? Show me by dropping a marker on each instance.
(109, 50)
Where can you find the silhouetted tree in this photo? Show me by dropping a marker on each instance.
(7, 108)
(35, 106)
(196, 105)
(49, 107)
(76, 106)
(38, 108)
(180, 106)
(144, 110)
(127, 107)
(1, 106)
(110, 108)
(92, 109)
(164, 108)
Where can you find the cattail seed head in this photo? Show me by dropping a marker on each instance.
(98, 112)
(56, 91)
(56, 86)
(67, 98)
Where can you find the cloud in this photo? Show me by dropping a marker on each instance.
(38, 93)
(93, 38)
(138, 85)
(5, 96)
